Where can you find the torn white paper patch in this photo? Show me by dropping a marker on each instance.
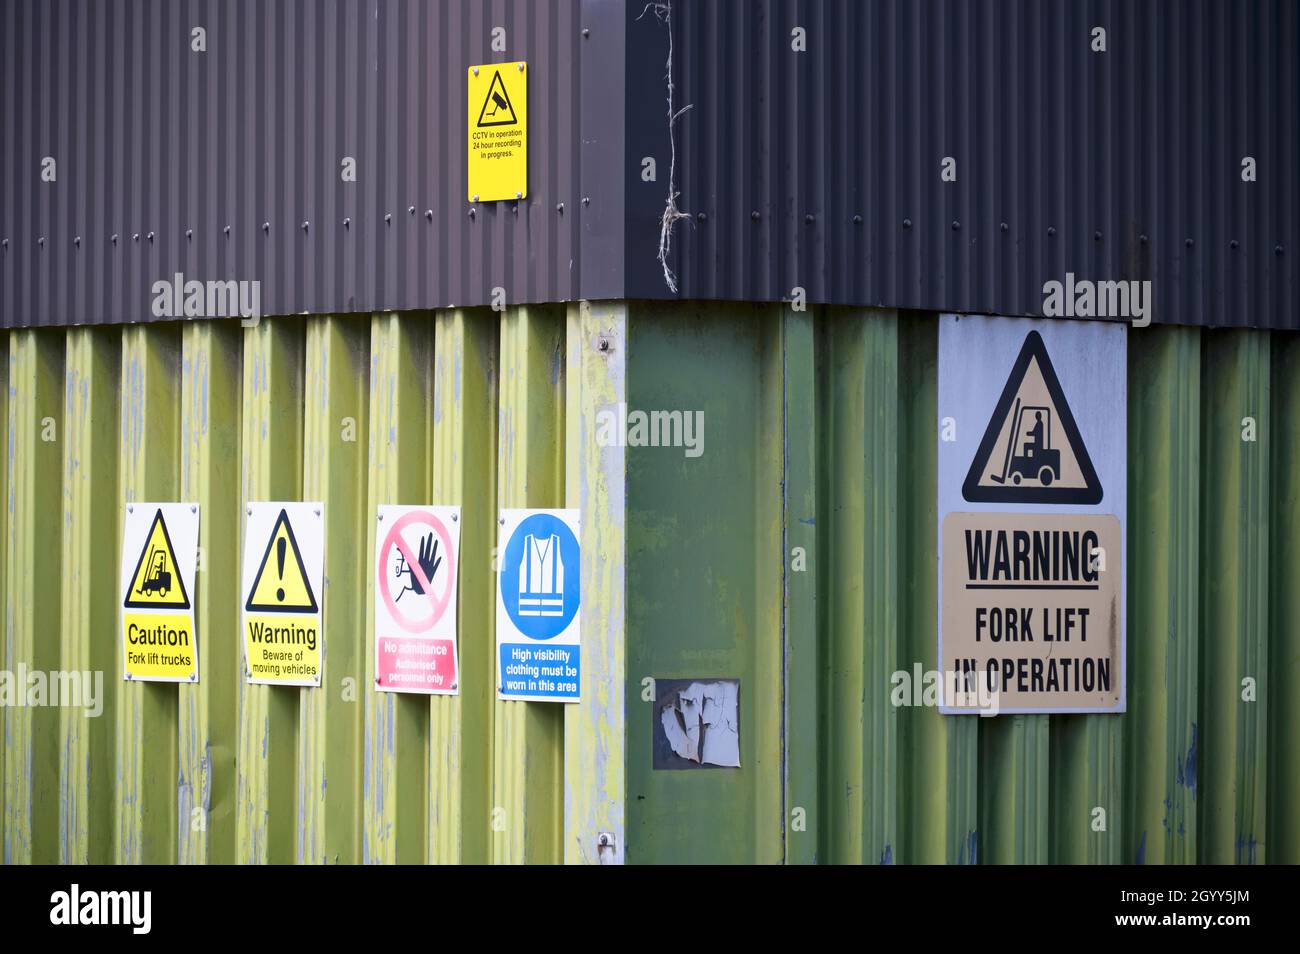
(702, 723)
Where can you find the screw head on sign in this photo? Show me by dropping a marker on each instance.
(194, 510)
(453, 685)
(130, 509)
(455, 517)
(318, 511)
(250, 511)
(519, 195)
(521, 67)
(381, 518)
(475, 71)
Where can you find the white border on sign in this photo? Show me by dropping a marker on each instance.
(182, 522)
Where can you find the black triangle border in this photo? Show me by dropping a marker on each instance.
(127, 602)
(249, 605)
(496, 78)
(1091, 493)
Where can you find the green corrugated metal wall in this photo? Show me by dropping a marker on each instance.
(820, 435)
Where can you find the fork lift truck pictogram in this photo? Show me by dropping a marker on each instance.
(159, 579)
(1038, 459)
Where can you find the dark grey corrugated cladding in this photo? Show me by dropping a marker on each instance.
(819, 169)
(154, 139)
(1122, 164)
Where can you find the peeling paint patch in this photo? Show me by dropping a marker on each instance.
(698, 723)
(1185, 771)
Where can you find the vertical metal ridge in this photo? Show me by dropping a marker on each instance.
(463, 461)
(91, 511)
(272, 439)
(146, 727)
(528, 737)
(396, 724)
(209, 710)
(35, 386)
(331, 720)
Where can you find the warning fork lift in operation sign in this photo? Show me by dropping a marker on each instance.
(159, 554)
(1032, 496)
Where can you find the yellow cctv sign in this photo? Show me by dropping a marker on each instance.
(498, 132)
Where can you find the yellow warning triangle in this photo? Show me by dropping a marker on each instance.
(497, 109)
(157, 580)
(281, 584)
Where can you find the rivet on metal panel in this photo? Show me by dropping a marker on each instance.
(1142, 239)
(585, 32)
(347, 223)
(1233, 244)
(189, 234)
(1004, 226)
(471, 212)
(266, 226)
(521, 67)
(113, 238)
(388, 218)
(1096, 236)
(135, 236)
(226, 230)
(603, 344)
(1189, 242)
(586, 200)
(857, 220)
(428, 214)
(410, 210)
(809, 218)
(41, 241)
(1277, 249)
(956, 226)
(77, 241)
(559, 207)
(305, 225)
(907, 223)
(1051, 231)
(754, 216)
(149, 236)
(701, 216)
(605, 840)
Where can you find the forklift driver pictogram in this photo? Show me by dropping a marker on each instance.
(158, 580)
(1037, 458)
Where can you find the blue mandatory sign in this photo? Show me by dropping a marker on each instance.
(540, 576)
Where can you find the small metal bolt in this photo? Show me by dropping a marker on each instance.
(907, 223)
(381, 518)
(130, 508)
(149, 236)
(305, 225)
(455, 517)
(586, 200)
(603, 344)
(956, 226)
(559, 207)
(1051, 231)
(388, 218)
(112, 238)
(428, 214)
(1096, 236)
(266, 226)
(1142, 239)
(1003, 226)
(857, 220)
(475, 199)
(5, 243)
(410, 210)
(519, 195)
(41, 241)
(475, 71)
(189, 234)
(1189, 242)
(317, 511)
(1233, 244)
(586, 32)
(754, 216)
(501, 520)
(700, 216)
(453, 685)
(471, 213)
(1277, 250)
(194, 677)
(809, 218)
(226, 230)
(194, 509)
(347, 223)
(521, 67)
(77, 241)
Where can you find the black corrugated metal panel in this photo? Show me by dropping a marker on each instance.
(1122, 164)
(154, 140)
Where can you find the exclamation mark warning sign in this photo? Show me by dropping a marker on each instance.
(283, 573)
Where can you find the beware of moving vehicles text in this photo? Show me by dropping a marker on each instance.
(159, 552)
(538, 599)
(497, 136)
(1031, 502)
(417, 566)
(282, 577)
